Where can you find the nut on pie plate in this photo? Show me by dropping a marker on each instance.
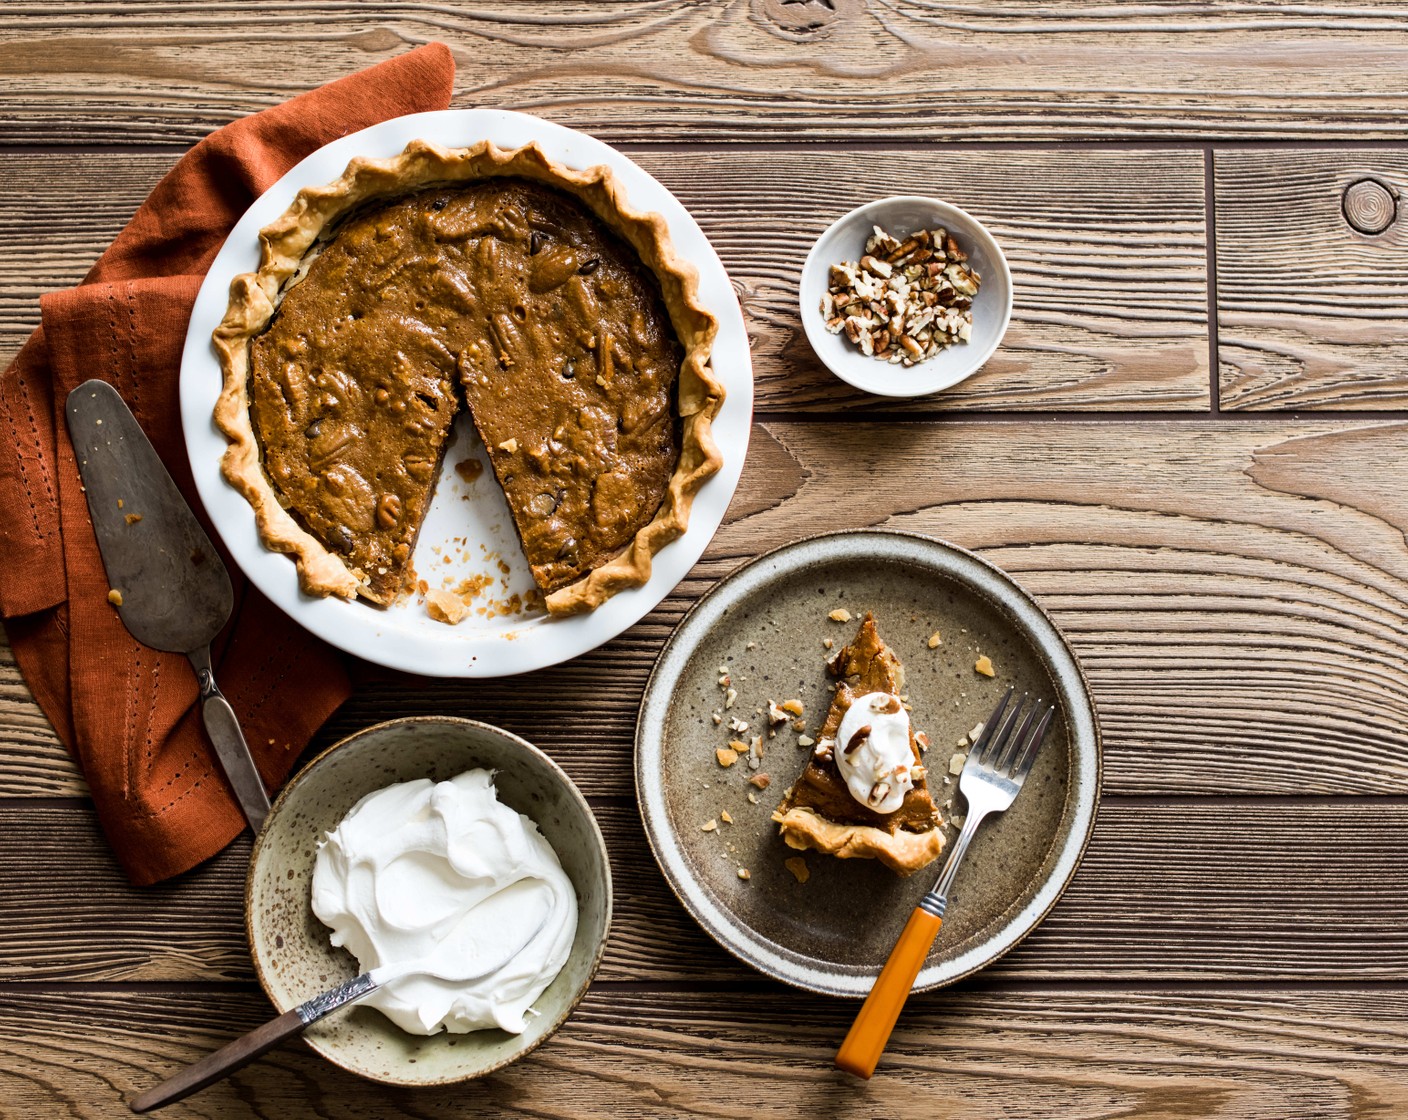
(819, 811)
(490, 279)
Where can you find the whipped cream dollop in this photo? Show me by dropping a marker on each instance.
(873, 753)
(417, 864)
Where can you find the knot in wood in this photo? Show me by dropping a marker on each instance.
(799, 19)
(1370, 206)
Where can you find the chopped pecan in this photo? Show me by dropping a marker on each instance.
(885, 303)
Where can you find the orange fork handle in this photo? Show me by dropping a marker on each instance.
(865, 1043)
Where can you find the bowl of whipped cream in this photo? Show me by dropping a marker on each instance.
(437, 842)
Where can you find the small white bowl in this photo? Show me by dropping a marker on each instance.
(901, 216)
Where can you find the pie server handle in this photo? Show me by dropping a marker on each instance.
(865, 1042)
(223, 727)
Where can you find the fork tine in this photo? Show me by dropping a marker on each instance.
(1028, 755)
(1017, 741)
(999, 742)
(990, 727)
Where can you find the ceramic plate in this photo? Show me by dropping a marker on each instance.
(764, 627)
(467, 533)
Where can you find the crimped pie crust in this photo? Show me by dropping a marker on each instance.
(901, 851)
(285, 243)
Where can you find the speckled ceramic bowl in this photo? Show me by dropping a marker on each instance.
(292, 954)
(764, 628)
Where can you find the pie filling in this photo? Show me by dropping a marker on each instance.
(504, 295)
(866, 665)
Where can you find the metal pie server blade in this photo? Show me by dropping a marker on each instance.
(175, 591)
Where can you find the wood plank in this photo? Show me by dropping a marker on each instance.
(1262, 1055)
(1310, 292)
(1203, 891)
(1107, 249)
(1226, 585)
(768, 69)
(1235, 590)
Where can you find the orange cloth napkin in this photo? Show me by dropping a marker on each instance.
(127, 713)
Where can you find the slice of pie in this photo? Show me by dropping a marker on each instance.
(495, 280)
(863, 794)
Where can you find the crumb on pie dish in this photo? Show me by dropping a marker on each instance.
(490, 280)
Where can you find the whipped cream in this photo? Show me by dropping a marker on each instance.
(416, 864)
(875, 763)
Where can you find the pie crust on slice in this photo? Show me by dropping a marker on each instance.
(561, 317)
(819, 812)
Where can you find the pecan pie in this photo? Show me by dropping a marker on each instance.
(492, 279)
(820, 811)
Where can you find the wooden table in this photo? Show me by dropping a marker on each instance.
(1190, 448)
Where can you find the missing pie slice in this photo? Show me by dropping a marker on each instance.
(863, 794)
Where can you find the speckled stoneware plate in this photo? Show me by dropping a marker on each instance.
(292, 955)
(765, 628)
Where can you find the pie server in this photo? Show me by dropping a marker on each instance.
(175, 592)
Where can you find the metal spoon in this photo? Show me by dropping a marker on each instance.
(445, 963)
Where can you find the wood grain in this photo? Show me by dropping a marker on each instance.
(1235, 591)
(1125, 328)
(968, 1055)
(1199, 891)
(1232, 946)
(1310, 308)
(754, 69)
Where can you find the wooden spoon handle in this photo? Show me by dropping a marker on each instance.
(222, 1063)
(866, 1040)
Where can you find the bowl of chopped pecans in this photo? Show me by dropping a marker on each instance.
(905, 296)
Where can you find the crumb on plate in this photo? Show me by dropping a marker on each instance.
(445, 606)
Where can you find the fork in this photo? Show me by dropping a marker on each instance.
(992, 777)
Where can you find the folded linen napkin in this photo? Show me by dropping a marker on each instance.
(127, 713)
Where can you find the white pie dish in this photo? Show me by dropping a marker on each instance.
(468, 532)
